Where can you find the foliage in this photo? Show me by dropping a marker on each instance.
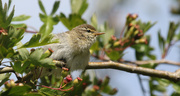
(107, 47)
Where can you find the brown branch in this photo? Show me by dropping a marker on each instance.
(6, 70)
(163, 61)
(173, 76)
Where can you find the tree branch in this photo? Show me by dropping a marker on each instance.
(163, 61)
(173, 76)
(6, 70)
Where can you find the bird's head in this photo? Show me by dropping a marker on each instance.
(86, 34)
(87, 30)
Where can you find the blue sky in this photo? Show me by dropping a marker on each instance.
(148, 10)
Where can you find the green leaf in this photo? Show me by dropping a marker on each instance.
(106, 89)
(172, 29)
(9, 4)
(20, 66)
(47, 27)
(176, 87)
(36, 59)
(3, 52)
(65, 21)
(81, 8)
(107, 36)
(55, 7)
(94, 21)
(17, 66)
(35, 41)
(141, 48)
(17, 91)
(139, 55)
(175, 94)
(4, 78)
(114, 55)
(161, 42)
(41, 7)
(95, 46)
(14, 36)
(73, 20)
(5, 20)
(9, 18)
(21, 18)
(24, 53)
(159, 88)
(22, 25)
(144, 26)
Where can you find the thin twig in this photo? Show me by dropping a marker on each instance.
(163, 61)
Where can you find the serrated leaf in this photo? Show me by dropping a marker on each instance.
(80, 9)
(36, 59)
(9, 18)
(65, 21)
(83, 8)
(47, 27)
(72, 21)
(24, 53)
(41, 7)
(144, 26)
(4, 19)
(55, 7)
(21, 18)
(172, 29)
(17, 66)
(35, 41)
(20, 66)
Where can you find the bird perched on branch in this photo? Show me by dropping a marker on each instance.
(73, 48)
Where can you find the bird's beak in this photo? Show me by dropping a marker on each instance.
(98, 33)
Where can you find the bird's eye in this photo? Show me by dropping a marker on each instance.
(88, 30)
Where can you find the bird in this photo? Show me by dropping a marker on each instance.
(73, 47)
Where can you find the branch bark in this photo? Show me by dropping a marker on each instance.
(173, 76)
(163, 61)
